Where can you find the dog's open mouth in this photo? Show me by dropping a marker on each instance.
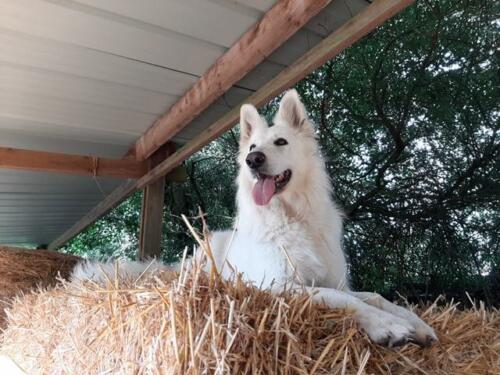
(266, 186)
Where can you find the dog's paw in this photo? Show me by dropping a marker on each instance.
(424, 334)
(384, 328)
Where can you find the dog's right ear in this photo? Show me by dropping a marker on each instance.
(291, 109)
(250, 120)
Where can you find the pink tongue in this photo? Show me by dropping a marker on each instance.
(263, 191)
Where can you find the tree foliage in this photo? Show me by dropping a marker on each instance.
(408, 121)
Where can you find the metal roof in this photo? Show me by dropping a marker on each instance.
(90, 76)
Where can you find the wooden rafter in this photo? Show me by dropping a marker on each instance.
(13, 158)
(277, 25)
(360, 25)
(111, 201)
(353, 30)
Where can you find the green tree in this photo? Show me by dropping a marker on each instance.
(115, 235)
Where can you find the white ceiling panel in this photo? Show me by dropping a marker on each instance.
(22, 49)
(12, 127)
(40, 197)
(64, 22)
(90, 76)
(183, 17)
(40, 82)
(261, 5)
(72, 114)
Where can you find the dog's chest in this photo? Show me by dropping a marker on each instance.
(281, 253)
(259, 264)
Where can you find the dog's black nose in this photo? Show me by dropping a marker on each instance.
(255, 159)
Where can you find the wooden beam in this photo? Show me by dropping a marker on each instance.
(117, 196)
(153, 200)
(368, 19)
(277, 25)
(360, 25)
(111, 201)
(13, 158)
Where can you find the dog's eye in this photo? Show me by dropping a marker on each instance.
(280, 142)
(252, 147)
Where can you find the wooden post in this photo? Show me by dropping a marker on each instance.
(152, 209)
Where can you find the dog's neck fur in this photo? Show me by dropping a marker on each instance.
(307, 211)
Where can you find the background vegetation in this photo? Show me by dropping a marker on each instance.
(408, 123)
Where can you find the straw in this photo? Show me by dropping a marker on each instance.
(206, 325)
(22, 270)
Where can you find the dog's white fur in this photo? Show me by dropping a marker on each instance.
(102, 272)
(295, 240)
(300, 230)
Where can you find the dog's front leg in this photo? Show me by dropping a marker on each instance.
(424, 334)
(381, 326)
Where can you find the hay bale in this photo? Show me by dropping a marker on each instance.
(193, 323)
(22, 270)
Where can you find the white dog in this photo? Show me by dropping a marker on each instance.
(288, 231)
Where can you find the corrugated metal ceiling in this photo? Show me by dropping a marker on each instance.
(90, 76)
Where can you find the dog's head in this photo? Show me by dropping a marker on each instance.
(274, 159)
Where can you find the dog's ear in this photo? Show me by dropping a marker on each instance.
(291, 110)
(250, 120)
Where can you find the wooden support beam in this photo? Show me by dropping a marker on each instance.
(151, 220)
(13, 158)
(371, 17)
(353, 30)
(111, 201)
(153, 200)
(277, 25)
(117, 196)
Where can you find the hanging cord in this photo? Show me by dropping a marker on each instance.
(95, 166)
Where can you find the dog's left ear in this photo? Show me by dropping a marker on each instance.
(250, 120)
(291, 110)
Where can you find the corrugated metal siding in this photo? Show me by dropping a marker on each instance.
(36, 207)
(90, 76)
